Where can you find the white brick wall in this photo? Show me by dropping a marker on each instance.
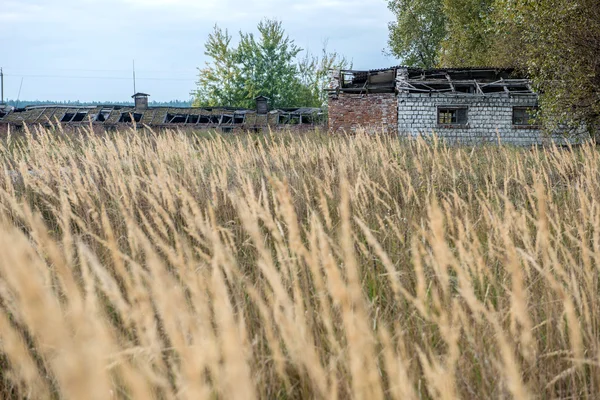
(489, 118)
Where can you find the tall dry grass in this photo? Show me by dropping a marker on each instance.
(171, 266)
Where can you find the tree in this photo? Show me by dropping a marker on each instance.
(469, 33)
(559, 41)
(313, 74)
(417, 34)
(267, 64)
(219, 82)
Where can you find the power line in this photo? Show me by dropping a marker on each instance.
(100, 77)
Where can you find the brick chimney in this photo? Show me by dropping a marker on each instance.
(141, 101)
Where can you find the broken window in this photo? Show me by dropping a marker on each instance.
(103, 115)
(79, 116)
(525, 116)
(127, 117)
(74, 117)
(306, 119)
(283, 119)
(456, 116)
(239, 118)
(67, 117)
(227, 119)
(176, 118)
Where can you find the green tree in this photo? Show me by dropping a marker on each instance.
(417, 34)
(219, 82)
(558, 43)
(313, 74)
(469, 33)
(268, 64)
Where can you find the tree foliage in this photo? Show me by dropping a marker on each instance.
(417, 34)
(557, 42)
(268, 63)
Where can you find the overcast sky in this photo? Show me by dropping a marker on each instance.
(83, 49)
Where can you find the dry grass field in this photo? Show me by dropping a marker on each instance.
(142, 266)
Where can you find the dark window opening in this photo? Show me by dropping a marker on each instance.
(238, 118)
(127, 117)
(283, 119)
(80, 116)
(204, 119)
(492, 89)
(525, 116)
(176, 118)
(67, 117)
(306, 119)
(464, 88)
(103, 115)
(193, 119)
(227, 119)
(452, 116)
(214, 119)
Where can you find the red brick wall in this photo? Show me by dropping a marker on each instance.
(377, 111)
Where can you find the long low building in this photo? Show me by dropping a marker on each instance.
(113, 117)
(460, 105)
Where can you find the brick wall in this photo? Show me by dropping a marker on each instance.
(489, 119)
(377, 111)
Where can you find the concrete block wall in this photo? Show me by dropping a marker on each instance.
(373, 111)
(489, 119)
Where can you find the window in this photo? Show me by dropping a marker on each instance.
(452, 116)
(239, 118)
(176, 118)
(74, 117)
(227, 119)
(126, 117)
(525, 116)
(103, 115)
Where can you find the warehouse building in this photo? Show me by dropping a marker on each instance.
(459, 105)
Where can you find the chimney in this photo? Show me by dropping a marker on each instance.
(141, 101)
(262, 105)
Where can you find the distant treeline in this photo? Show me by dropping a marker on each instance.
(25, 103)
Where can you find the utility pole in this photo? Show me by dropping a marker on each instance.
(1, 87)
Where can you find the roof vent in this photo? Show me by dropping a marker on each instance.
(141, 101)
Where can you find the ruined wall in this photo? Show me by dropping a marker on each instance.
(489, 118)
(376, 111)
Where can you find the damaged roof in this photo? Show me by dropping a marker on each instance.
(113, 115)
(482, 81)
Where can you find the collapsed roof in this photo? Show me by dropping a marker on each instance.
(113, 115)
(482, 81)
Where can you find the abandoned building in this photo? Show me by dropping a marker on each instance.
(459, 105)
(112, 117)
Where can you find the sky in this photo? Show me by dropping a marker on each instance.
(84, 49)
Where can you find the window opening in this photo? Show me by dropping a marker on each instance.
(126, 117)
(452, 116)
(176, 118)
(103, 115)
(525, 116)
